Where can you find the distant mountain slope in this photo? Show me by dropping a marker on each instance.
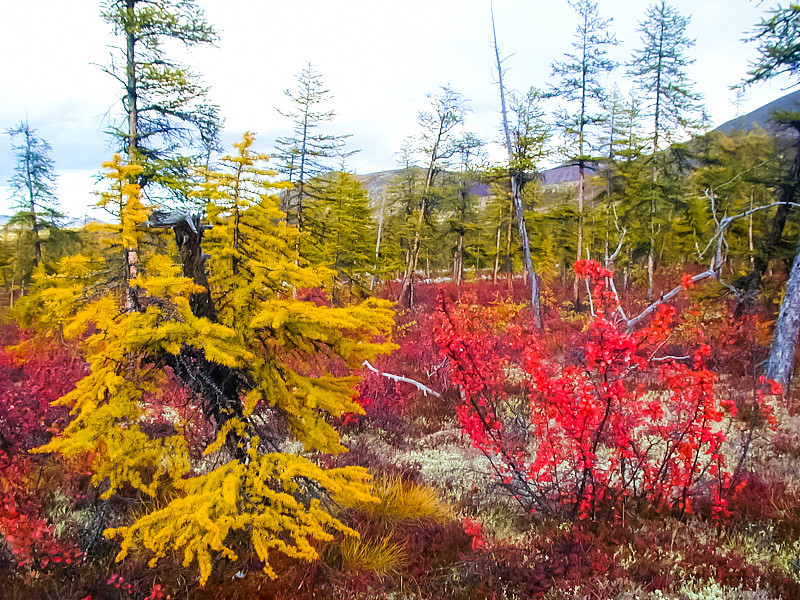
(558, 179)
(761, 115)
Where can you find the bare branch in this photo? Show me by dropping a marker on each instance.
(425, 389)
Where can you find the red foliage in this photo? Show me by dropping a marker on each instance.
(619, 420)
(33, 374)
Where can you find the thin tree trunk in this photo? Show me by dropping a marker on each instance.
(516, 193)
(378, 243)
(458, 259)
(496, 258)
(576, 288)
(780, 364)
(750, 233)
(131, 255)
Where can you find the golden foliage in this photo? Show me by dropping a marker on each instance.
(289, 357)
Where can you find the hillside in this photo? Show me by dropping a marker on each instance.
(761, 116)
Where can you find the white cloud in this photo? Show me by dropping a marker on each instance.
(378, 58)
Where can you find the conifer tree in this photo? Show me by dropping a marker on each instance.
(257, 366)
(33, 184)
(581, 89)
(342, 233)
(308, 152)
(166, 108)
(437, 138)
(461, 205)
(659, 69)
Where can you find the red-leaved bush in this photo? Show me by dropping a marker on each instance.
(621, 416)
(33, 374)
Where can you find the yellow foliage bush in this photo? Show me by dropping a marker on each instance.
(265, 352)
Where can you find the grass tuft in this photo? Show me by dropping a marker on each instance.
(382, 556)
(405, 501)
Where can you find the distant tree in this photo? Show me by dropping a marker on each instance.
(166, 108)
(659, 69)
(307, 152)
(581, 89)
(437, 145)
(461, 206)
(33, 183)
(396, 220)
(343, 236)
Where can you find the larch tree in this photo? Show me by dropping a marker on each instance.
(581, 91)
(33, 184)
(165, 106)
(343, 236)
(437, 145)
(308, 152)
(462, 206)
(659, 68)
(255, 368)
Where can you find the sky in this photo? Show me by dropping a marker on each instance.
(378, 58)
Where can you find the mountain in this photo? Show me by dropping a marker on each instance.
(761, 116)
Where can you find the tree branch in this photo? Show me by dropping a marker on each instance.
(425, 389)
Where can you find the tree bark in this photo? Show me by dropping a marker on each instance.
(516, 194)
(780, 364)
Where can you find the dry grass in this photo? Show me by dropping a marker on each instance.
(405, 501)
(382, 556)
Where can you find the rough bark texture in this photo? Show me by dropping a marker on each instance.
(516, 194)
(780, 364)
(189, 237)
(216, 385)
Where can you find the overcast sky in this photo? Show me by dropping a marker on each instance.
(379, 59)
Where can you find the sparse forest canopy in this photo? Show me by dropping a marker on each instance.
(270, 376)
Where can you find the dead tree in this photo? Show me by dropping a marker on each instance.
(515, 177)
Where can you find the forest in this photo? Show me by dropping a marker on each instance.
(263, 375)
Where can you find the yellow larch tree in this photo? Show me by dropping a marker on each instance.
(267, 369)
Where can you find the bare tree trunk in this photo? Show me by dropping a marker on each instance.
(378, 243)
(750, 234)
(458, 260)
(780, 364)
(576, 288)
(516, 193)
(131, 255)
(496, 258)
(509, 260)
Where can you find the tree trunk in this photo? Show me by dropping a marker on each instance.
(458, 260)
(189, 237)
(378, 243)
(780, 364)
(576, 288)
(516, 194)
(496, 258)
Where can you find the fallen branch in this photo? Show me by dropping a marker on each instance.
(424, 388)
(717, 260)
